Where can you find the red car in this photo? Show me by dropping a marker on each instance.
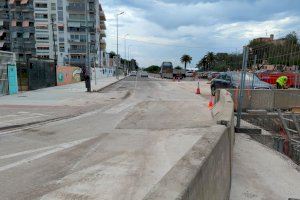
(272, 76)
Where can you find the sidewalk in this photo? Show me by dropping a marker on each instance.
(49, 103)
(262, 173)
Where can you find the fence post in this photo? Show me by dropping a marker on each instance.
(242, 85)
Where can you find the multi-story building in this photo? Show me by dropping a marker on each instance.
(102, 45)
(45, 28)
(18, 31)
(4, 26)
(73, 29)
(79, 41)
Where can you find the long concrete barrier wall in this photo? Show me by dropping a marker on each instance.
(269, 100)
(204, 173)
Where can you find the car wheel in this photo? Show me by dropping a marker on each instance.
(213, 90)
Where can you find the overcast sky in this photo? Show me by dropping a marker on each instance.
(163, 30)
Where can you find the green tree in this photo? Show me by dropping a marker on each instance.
(292, 38)
(185, 59)
(210, 57)
(153, 69)
(178, 67)
(112, 54)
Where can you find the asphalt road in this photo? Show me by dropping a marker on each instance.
(117, 151)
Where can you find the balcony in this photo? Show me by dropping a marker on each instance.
(23, 8)
(76, 41)
(3, 7)
(17, 29)
(81, 51)
(75, 60)
(29, 29)
(76, 8)
(102, 33)
(102, 26)
(76, 30)
(102, 16)
(102, 41)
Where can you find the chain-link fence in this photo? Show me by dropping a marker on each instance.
(5, 59)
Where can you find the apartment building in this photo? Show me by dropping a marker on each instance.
(79, 41)
(27, 29)
(17, 28)
(4, 26)
(45, 33)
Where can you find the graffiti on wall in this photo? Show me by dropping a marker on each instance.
(68, 75)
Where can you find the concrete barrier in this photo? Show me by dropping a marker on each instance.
(269, 100)
(204, 173)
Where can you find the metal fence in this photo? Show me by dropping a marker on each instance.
(5, 59)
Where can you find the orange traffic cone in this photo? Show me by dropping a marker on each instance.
(211, 103)
(198, 89)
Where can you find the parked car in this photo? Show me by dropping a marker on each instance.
(144, 74)
(233, 80)
(212, 75)
(133, 73)
(189, 73)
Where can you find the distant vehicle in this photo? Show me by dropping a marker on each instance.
(212, 75)
(233, 79)
(189, 73)
(179, 73)
(166, 70)
(271, 77)
(133, 73)
(144, 74)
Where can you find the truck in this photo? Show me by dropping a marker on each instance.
(166, 70)
(179, 73)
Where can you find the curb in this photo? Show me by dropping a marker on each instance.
(103, 88)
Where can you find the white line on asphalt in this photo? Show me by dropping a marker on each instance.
(61, 147)
(119, 108)
(14, 120)
(9, 116)
(26, 152)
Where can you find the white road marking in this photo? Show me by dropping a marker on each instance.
(61, 147)
(20, 119)
(26, 152)
(119, 108)
(6, 116)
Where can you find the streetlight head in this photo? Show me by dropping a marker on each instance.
(121, 13)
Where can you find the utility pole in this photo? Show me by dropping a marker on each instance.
(54, 48)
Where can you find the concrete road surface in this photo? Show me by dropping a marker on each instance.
(119, 150)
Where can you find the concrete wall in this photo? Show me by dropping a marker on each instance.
(68, 75)
(267, 99)
(204, 173)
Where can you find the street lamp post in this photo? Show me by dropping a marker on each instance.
(121, 13)
(125, 62)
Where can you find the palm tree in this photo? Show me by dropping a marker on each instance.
(210, 57)
(203, 62)
(186, 59)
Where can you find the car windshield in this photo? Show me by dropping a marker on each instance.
(249, 77)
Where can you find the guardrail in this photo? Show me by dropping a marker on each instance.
(204, 173)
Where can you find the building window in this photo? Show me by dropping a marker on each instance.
(41, 5)
(41, 16)
(53, 6)
(42, 48)
(61, 48)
